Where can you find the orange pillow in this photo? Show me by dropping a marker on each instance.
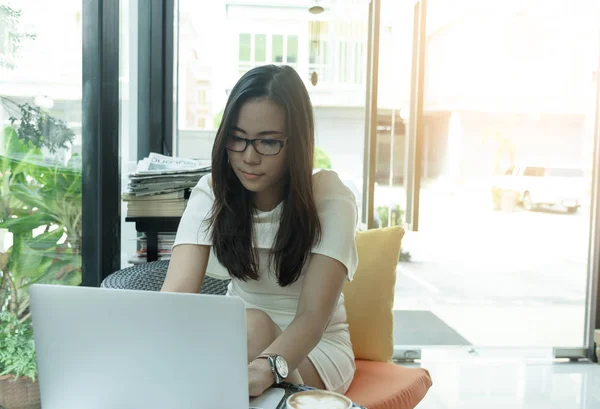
(369, 297)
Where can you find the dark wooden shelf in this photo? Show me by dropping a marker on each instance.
(151, 227)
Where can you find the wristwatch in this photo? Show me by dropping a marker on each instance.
(278, 364)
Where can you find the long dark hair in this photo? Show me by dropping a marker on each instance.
(233, 209)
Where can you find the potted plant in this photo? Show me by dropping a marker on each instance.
(18, 389)
(40, 206)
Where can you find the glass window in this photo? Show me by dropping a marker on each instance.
(326, 61)
(339, 111)
(128, 93)
(533, 171)
(292, 49)
(475, 226)
(356, 66)
(40, 124)
(342, 60)
(245, 47)
(277, 48)
(201, 97)
(350, 66)
(564, 172)
(313, 47)
(10, 34)
(362, 63)
(260, 48)
(4, 35)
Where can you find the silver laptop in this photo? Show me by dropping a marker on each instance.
(110, 349)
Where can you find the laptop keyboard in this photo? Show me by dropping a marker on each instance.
(270, 399)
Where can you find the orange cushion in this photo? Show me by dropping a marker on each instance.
(383, 385)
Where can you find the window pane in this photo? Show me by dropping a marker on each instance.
(260, 48)
(292, 49)
(342, 61)
(128, 92)
(517, 94)
(277, 48)
(216, 48)
(533, 171)
(312, 51)
(40, 88)
(201, 97)
(4, 35)
(564, 172)
(244, 53)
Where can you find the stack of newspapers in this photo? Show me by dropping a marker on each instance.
(161, 184)
(165, 243)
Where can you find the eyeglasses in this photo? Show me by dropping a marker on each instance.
(265, 147)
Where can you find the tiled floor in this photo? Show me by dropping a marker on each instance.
(466, 379)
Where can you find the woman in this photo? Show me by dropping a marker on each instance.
(284, 236)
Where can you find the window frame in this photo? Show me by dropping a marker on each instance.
(101, 187)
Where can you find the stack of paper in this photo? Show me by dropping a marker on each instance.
(158, 174)
(160, 186)
(163, 205)
(165, 242)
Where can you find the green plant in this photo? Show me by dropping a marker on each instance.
(17, 347)
(38, 129)
(322, 159)
(383, 213)
(40, 205)
(217, 118)
(397, 213)
(13, 36)
(42, 197)
(405, 256)
(50, 203)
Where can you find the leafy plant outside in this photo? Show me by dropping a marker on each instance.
(14, 37)
(322, 160)
(396, 220)
(40, 205)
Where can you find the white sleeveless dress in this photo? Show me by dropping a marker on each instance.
(332, 357)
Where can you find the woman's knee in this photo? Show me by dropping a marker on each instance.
(260, 327)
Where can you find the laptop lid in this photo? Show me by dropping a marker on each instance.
(106, 348)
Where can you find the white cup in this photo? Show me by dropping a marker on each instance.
(318, 399)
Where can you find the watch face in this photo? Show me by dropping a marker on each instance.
(282, 366)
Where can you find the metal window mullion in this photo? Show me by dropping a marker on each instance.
(101, 184)
(592, 310)
(156, 92)
(170, 55)
(412, 174)
(370, 147)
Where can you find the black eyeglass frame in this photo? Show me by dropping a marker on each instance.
(282, 144)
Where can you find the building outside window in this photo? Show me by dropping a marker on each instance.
(256, 49)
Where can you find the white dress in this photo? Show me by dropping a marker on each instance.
(333, 357)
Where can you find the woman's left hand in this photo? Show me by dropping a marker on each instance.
(260, 377)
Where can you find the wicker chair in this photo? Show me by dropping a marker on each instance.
(150, 277)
